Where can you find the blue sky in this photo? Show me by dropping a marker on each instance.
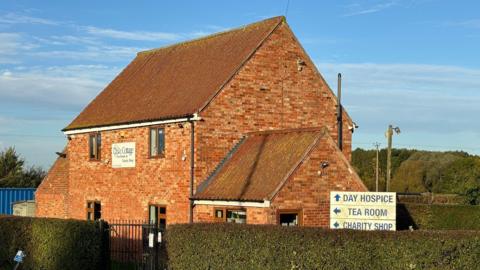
(415, 63)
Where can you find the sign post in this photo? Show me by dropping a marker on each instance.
(363, 210)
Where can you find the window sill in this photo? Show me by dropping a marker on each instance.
(157, 157)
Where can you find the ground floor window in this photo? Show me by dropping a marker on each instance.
(230, 215)
(94, 210)
(289, 218)
(157, 214)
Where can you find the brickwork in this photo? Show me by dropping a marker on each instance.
(126, 193)
(307, 190)
(269, 92)
(51, 205)
(255, 215)
(52, 194)
(278, 88)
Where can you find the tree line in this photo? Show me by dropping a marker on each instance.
(14, 173)
(421, 171)
(412, 171)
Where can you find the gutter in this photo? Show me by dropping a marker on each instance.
(124, 126)
(263, 204)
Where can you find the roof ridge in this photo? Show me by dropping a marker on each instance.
(243, 43)
(171, 46)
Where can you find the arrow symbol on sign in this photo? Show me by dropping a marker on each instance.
(336, 224)
(337, 197)
(336, 211)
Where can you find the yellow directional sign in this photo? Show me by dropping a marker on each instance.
(363, 198)
(364, 225)
(363, 210)
(375, 212)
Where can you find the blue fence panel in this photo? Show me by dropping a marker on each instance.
(11, 195)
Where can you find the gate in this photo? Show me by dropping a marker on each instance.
(136, 245)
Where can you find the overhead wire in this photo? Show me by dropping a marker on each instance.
(286, 8)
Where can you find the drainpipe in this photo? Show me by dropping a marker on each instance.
(339, 113)
(192, 167)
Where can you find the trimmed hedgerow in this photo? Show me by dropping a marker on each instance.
(53, 243)
(234, 246)
(438, 217)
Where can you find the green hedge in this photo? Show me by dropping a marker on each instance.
(234, 246)
(53, 243)
(438, 217)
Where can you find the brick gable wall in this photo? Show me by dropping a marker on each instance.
(307, 190)
(53, 191)
(269, 92)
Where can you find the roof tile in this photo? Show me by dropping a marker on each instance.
(259, 165)
(174, 81)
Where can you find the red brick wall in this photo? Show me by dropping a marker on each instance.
(306, 190)
(309, 187)
(50, 205)
(269, 92)
(255, 215)
(126, 193)
(51, 194)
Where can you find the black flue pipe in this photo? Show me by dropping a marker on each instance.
(339, 113)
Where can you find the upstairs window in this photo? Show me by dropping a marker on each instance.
(94, 145)
(94, 210)
(157, 142)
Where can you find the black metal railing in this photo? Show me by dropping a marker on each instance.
(135, 244)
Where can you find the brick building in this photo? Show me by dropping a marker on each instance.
(238, 126)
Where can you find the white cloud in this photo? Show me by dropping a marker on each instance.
(11, 44)
(16, 48)
(68, 40)
(101, 53)
(362, 9)
(3, 121)
(198, 34)
(432, 98)
(15, 18)
(132, 35)
(62, 86)
(474, 23)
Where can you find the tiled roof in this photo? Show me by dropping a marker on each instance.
(259, 165)
(174, 81)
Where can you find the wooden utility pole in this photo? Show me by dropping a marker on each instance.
(389, 135)
(376, 168)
